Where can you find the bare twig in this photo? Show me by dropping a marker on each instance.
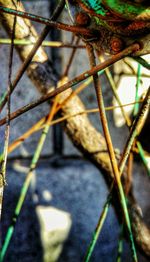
(112, 156)
(73, 82)
(32, 53)
(7, 130)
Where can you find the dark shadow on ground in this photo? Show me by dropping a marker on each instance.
(77, 188)
(25, 245)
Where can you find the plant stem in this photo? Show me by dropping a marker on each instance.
(73, 82)
(54, 44)
(26, 183)
(111, 155)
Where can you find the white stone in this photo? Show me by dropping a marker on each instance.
(54, 227)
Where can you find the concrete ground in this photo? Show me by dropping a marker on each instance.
(61, 211)
(74, 188)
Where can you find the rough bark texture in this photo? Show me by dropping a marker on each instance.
(83, 135)
(25, 30)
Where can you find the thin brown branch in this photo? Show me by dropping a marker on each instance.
(73, 82)
(7, 129)
(46, 21)
(33, 51)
